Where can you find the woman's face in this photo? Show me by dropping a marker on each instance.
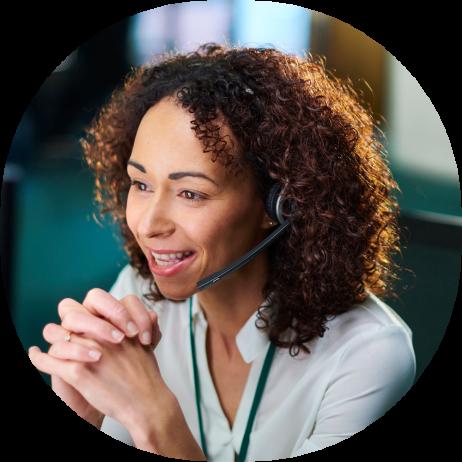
(219, 218)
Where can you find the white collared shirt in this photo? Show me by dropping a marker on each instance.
(362, 365)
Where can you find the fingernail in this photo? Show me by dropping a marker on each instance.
(94, 354)
(132, 329)
(33, 348)
(117, 335)
(146, 338)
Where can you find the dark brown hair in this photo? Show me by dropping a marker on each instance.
(312, 133)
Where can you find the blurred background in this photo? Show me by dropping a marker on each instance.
(52, 247)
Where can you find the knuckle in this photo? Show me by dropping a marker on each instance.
(46, 332)
(94, 292)
(62, 306)
(138, 311)
(69, 319)
(119, 310)
(54, 350)
(131, 297)
(134, 301)
(65, 301)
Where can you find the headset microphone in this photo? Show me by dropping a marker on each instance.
(274, 204)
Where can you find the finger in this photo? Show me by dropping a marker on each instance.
(140, 314)
(54, 333)
(74, 351)
(70, 372)
(93, 327)
(69, 304)
(98, 309)
(110, 308)
(156, 333)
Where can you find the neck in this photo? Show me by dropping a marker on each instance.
(229, 305)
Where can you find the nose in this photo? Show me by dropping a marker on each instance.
(155, 217)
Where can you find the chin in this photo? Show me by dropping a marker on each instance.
(176, 295)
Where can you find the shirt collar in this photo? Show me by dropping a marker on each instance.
(250, 340)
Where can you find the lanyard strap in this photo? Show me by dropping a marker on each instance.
(256, 400)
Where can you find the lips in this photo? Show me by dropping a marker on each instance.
(172, 256)
(162, 252)
(170, 270)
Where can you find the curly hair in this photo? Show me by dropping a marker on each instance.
(311, 132)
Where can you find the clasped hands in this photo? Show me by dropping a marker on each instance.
(125, 381)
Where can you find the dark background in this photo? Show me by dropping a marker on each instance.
(29, 49)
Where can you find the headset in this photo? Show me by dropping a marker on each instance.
(274, 205)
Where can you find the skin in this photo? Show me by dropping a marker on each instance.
(227, 223)
(86, 318)
(125, 383)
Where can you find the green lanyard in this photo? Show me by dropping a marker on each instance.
(256, 399)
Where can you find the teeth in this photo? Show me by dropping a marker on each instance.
(170, 257)
(166, 263)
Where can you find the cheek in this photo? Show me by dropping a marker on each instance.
(206, 233)
(198, 232)
(131, 215)
(222, 229)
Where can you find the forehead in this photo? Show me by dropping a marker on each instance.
(165, 135)
(164, 125)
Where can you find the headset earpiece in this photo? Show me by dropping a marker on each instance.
(274, 204)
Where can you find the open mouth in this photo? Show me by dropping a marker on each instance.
(165, 260)
(162, 265)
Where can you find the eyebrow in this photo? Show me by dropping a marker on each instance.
(174, 175)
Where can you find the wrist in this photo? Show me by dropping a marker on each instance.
(166, 433)
(150, 423)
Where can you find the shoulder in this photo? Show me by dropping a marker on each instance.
(370, 331)
(369, 365)
(374, 339)
(387, 350)
(364, 320)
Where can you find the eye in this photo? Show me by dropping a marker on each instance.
(138, 185)
(197, 197)
(192, 196)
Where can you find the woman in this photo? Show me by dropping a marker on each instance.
(331, 355)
